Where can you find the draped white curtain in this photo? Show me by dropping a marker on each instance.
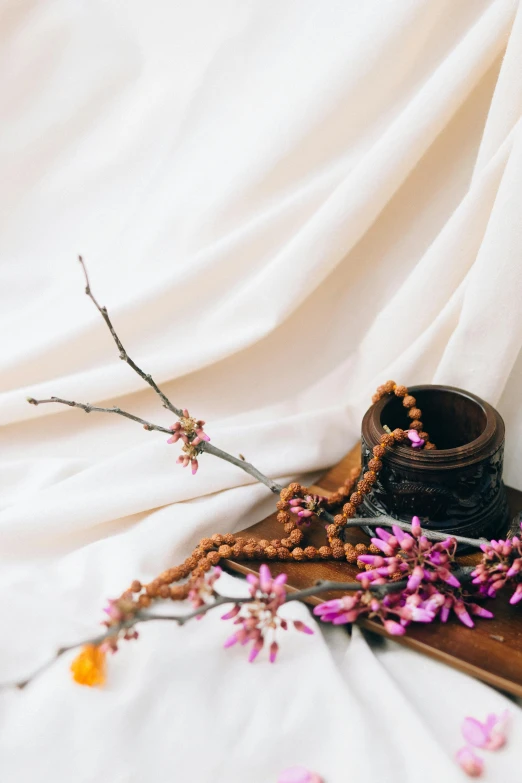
(283, 204)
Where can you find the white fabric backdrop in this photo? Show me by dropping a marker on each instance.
(283, 204)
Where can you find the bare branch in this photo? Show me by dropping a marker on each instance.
(123, 353)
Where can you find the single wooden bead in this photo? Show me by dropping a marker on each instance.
(249, 551)
(401, 391)
(338, 551)
(205, 564)
(199, 552)
(414, 413)
(237, 552)
(310, 552)
(281, 505)
(295, 487)
(389, 387)
(332, 530)
(283, 553)
(424, 435)
(144, 601)
(429, 446)
(179, 592)
(286, 494)
(361, 549)
(217, 538)
(409, 401)
(152, 589)
(399, 435)
(283, 517)
(349, 510)
(380, 389)
(264, 542)
(356, 498)
(289, 527)
(136, 586)
(350, 555)
(252, 541)
(416, 424)
(375, 464)
(275, 542)
(191, 563)
(324, 552)
(229, 538)
(298, 553)
(376, 397)
(296, 536)
(164, 591)
(206, 544)
(370, 478)
(379, 451)
(339, 520)
(271, 552)
(259, 552)
(387, 439)
(286, 542)
(214, 557)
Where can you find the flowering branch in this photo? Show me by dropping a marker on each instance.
(125, 624)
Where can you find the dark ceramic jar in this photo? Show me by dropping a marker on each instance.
(456, 488)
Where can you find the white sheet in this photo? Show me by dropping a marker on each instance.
(283, 205)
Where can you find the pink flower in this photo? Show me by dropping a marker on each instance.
(306, 507)
(202, 588)
(489, 735)
(191, 432)
(258, 620)
(470, 763)
(298, 775)
(416, 441)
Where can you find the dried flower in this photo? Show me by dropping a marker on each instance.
(489, 735)
(470, 762)
(258, 619)
(298, 775)
(88, 668)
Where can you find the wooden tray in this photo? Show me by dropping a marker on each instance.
(492, 651)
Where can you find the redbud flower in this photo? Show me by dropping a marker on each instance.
(416, 441)
(470, 762)
(190, 431)
(258, 619)
(306, 507)
(489, 735)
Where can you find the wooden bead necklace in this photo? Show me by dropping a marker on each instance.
(210, 551)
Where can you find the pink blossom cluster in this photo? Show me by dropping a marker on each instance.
(191, 432)
(306, 507)
(258, 620)
(118, 610)
(490, 735)
(501, 565)
(202, 588)
(431, 588)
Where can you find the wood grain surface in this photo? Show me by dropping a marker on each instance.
(492, 651)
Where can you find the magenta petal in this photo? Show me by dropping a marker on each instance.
(231, 641)
(470, 762)
(393, 628)
(281, 579)
(474, 732)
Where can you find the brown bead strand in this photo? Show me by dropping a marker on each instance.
(210, 551)
(409, 402)
(345, 491)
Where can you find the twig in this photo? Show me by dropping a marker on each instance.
(88, 408)
(124, 356)
(140, 617)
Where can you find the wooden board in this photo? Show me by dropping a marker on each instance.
(478, 651)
